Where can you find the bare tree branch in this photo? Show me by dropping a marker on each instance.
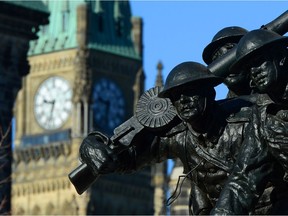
(5, 179)
(2, 135)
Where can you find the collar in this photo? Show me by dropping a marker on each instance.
(215, 128)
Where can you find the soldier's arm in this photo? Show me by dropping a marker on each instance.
(252, 171)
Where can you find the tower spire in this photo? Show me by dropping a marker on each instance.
(117, 10)
(65, 6)
(159, 77)
(98, 7)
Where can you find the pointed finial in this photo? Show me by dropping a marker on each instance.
(159, 77)
(98, 7)
(46, 2)
(117, 10)
(65, 5)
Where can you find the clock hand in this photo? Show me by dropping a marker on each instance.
(52, 109)
(53, 104)
(107, 110)
(50, 102)
(106, 103)
(102, 100)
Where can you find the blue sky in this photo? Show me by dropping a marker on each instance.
(178, 31)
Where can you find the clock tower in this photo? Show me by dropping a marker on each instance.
(85, 74)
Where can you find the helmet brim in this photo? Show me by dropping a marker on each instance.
(213, 46)
(193, 84)
(236, 66)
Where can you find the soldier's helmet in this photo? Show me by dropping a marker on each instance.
(189, 74)
(230, 34)
(256, 43)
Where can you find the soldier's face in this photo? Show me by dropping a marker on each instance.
(263, 74)
(236, 79)
(190, 104)
(222, 50)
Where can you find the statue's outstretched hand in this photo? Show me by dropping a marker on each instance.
(97, 155)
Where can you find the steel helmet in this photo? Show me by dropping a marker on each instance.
(230, 34)
(190, 74)
(255, 42)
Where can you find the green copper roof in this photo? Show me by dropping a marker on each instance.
(34, 5)
(109, 27)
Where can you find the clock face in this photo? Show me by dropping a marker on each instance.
(108, 105)
(53, 103)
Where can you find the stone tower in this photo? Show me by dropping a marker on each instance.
(159, 170)
(86, 74)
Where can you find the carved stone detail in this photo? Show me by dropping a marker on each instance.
(41, 187)
(108, 64)
(50, 64)
(82, 83)
(44, 187)
(35, 153)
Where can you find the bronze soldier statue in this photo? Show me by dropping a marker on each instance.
(239, 82)
(206, 141)
(223, 41)
(206, 135)
(264, 54)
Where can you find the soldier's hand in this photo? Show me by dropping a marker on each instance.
(97, 155)
(277, 126)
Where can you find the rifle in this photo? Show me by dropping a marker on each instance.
(220, 67)
(153, 114)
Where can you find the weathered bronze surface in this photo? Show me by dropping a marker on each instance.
(234, 151)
